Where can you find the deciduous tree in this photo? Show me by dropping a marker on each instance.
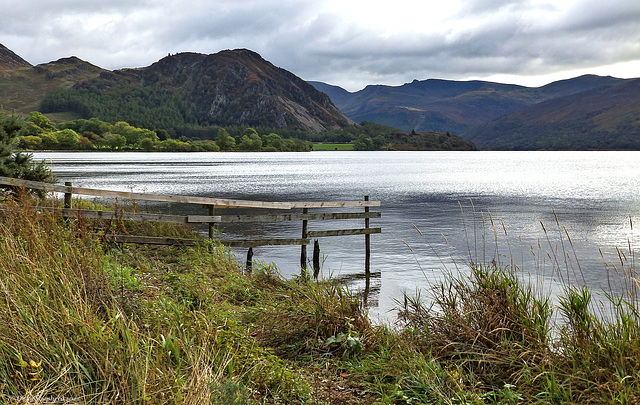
(224, 140)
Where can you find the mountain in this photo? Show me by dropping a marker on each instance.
(605, 117)
(191, 94)
(446, 105)
(9, 60)
(23, 86)
(232, 87)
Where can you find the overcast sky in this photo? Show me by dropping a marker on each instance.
(349, 43)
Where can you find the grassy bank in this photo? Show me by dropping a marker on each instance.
(82, 321)
(332, 146)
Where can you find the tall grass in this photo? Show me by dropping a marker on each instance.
(85, 322)
(509, 342)
(65, 332)
(82, 321)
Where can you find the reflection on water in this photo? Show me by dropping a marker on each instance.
(440, 210)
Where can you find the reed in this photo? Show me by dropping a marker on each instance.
(505, 340)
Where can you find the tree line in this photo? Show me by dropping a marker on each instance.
(153, 107)
(37, 132)
(372, 136)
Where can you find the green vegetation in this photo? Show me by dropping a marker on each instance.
(332, 146)
(371, 136)
(97, 323)
(94, 323)
(38, 132)
(147, 107)
(13, 162)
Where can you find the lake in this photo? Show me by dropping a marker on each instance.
(440, 210)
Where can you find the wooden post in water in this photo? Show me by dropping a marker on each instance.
(367, 257)
(367, 245)
(303, 248)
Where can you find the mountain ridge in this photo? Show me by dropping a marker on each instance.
(604, 117)
(10, 60)
(231, 87)
(240, 88)
(504, 116)
(447, 105)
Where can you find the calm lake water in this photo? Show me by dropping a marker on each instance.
(440, 210)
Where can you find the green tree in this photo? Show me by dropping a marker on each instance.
(147, 144)
(115, 141)
(250, 140)
(31, 142)
(68, 138)
(49, 140)
(205, 146)
(132, 134)
(173, 145)
(82, 126)
(31, 129)
(379, 142)
(224, 140)
(41, 121)
(363, 142)
(13, 162)
(272, 140)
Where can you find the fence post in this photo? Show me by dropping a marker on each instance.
(212, 210)
(68, 195)
(303, 248)
(249, 263)
(316, 259)
(68, 199)
(367, 245)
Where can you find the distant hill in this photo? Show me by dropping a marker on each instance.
(446, 105)
(23, 86)
(9, 60)
(605, 117)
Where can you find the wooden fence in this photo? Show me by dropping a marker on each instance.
(211, 219)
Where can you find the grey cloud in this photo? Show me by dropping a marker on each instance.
(487, 37)
(588, 15)
(491, 6)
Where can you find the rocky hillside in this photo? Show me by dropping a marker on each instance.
(9, 60)
(234, 87)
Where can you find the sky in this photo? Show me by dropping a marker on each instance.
(348, 43)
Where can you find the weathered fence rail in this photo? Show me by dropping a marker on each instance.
(212, 219)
